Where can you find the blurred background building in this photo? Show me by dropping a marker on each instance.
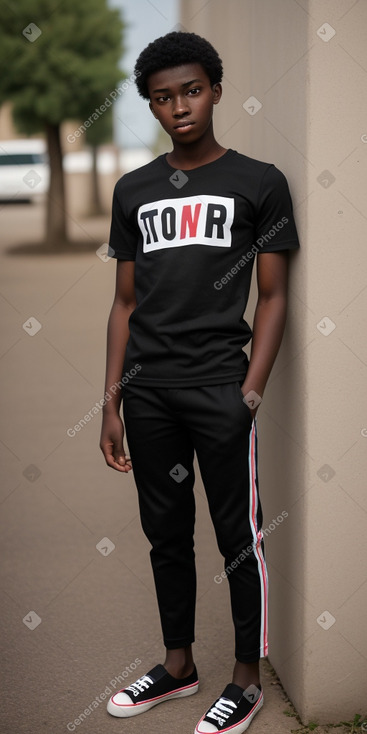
(294, 95)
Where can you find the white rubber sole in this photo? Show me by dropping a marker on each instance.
(238, 728)
(125, 711)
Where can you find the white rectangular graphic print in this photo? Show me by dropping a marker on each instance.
(191, 220)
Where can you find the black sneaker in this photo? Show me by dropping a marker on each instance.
(153, 688)
(233, 711)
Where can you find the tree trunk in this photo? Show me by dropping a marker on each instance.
(56, 233)
(96, 205)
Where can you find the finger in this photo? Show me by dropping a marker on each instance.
(119, 464)
(120, 455)
(121, 458)
(124, 468)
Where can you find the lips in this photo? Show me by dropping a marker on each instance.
(185, 124)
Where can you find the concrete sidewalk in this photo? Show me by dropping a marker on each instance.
(79, 610)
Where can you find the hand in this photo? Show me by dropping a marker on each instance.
(112, 443)
(252, 400)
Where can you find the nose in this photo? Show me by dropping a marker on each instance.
(180, 106)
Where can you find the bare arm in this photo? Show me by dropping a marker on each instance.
(269, 319)
(124, 303)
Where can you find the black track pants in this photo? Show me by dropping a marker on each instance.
(164, 426)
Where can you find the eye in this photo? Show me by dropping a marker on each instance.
(161, 100)
(194, 91)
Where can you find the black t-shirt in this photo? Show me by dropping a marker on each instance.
(194, 236)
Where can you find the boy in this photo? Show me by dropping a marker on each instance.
(183, 230)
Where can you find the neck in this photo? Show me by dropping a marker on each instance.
(202, 151)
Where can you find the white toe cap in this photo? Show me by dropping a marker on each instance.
(206, 728)
(119, 704)
(121, 699)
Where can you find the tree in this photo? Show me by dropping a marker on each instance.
(60, 61)
(100, 132)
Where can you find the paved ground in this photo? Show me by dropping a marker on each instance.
(76, 618)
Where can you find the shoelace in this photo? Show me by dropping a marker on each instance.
(221, 711)
(140, 685)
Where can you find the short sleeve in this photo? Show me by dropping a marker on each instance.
(275, 226)
(123, 234)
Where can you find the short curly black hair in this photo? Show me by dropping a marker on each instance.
(174, 49)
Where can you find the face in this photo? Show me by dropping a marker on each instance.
(182, 99)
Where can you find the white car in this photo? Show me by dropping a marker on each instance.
(24, 170)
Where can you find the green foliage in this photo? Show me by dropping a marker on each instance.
(359, 724)
(69, 69)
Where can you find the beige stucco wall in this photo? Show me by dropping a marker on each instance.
(313, 421)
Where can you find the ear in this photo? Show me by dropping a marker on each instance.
(151, 109)
(217, 92)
